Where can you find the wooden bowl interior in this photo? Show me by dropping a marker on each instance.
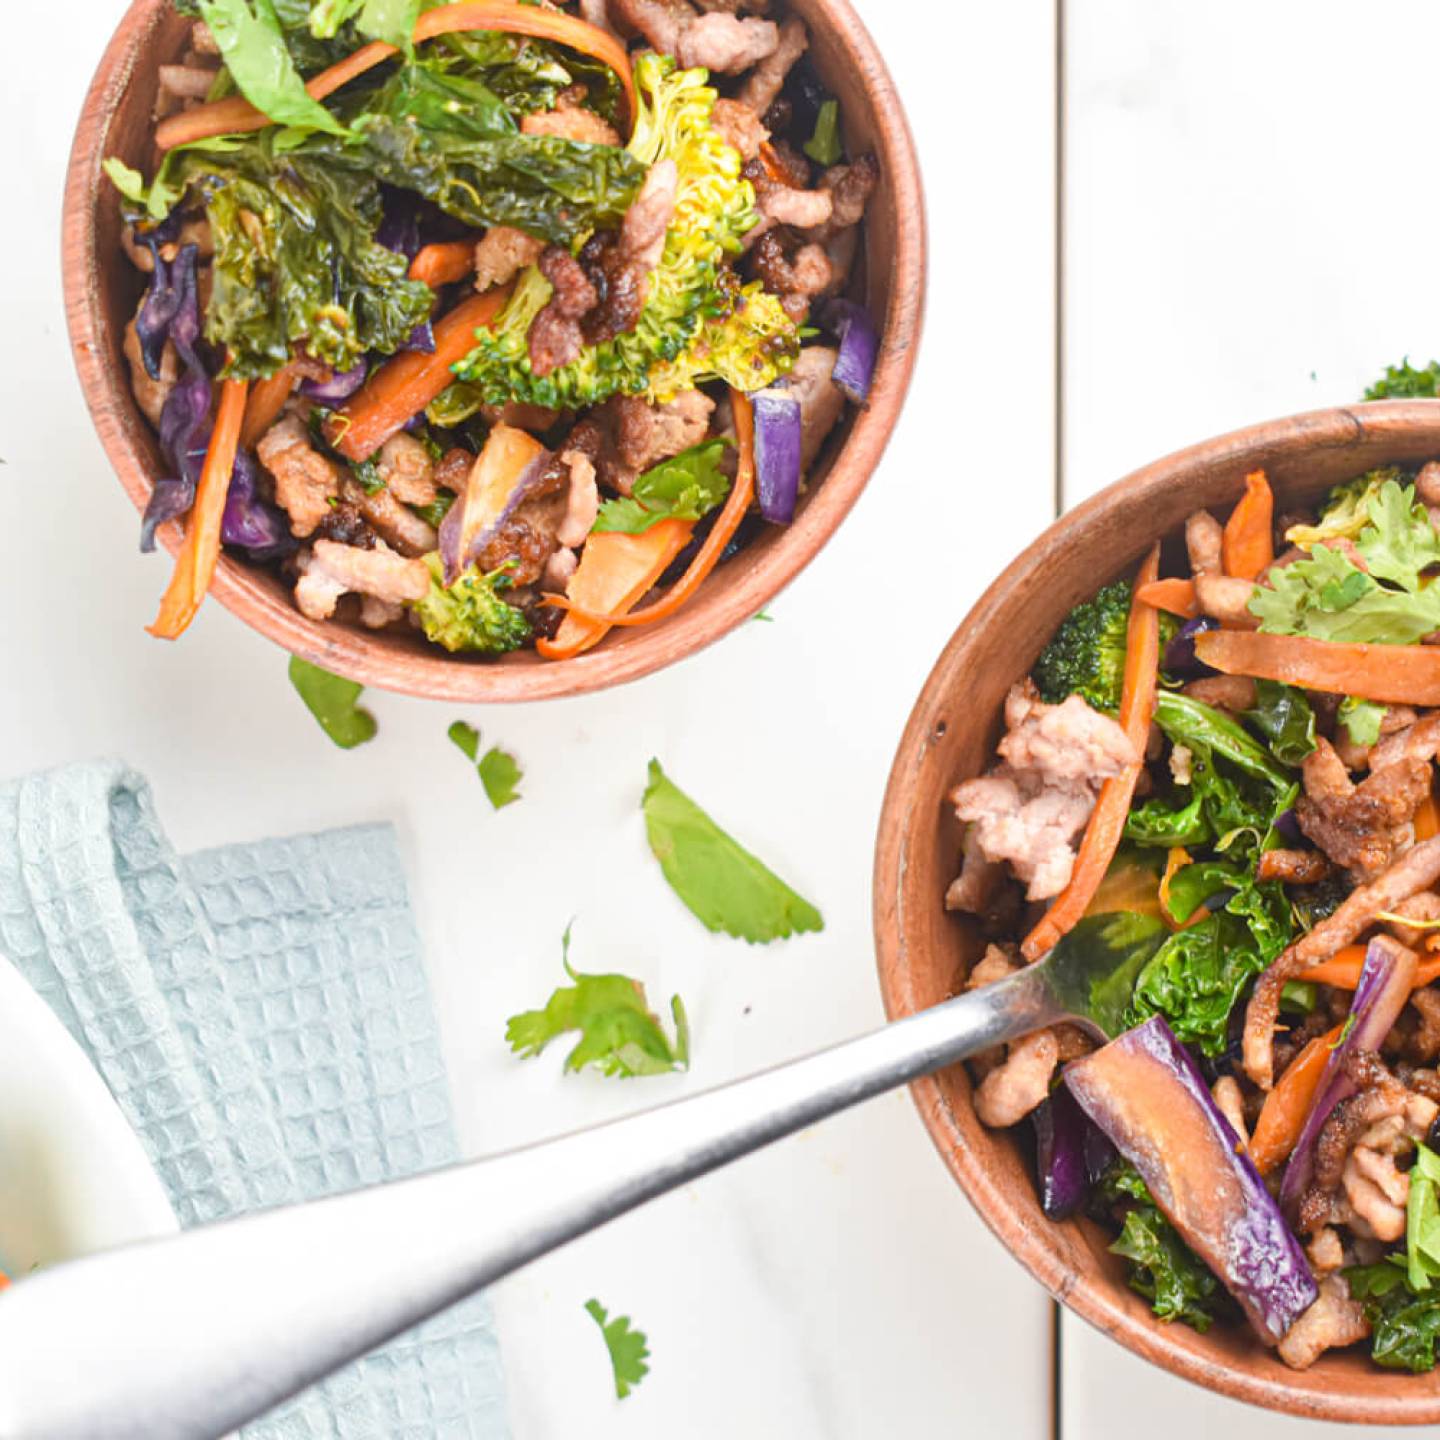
(102, 290)
(925, 952)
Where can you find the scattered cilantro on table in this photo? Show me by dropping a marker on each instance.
(722, 884)
(499, 771)
(619, 1033)
(331, 700)
(628, 1349)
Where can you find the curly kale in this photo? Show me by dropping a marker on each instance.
(1164, 1269)
(470, 615)
(696, 322)
(1086, 657)
(1404, 382)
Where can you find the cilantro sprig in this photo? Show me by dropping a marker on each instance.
(331, 699)
(498, 769)
(629, 1350)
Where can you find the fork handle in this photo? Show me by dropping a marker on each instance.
(191, 1336)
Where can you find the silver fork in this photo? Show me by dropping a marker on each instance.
(191, 1336)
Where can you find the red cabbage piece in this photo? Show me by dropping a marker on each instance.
(777, 453)
(171, 294)
(339, 387)
(859, 347)
(249, 521)
(1070, 1154)
(1386, 979)
(1147, 1094)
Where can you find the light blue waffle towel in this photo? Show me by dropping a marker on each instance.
(261, 1015)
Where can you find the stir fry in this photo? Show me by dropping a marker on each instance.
(488, 319)
(1235, 766)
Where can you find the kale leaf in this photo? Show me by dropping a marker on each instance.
(1283, 716)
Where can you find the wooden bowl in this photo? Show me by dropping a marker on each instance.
(924, 952)
(102, 289)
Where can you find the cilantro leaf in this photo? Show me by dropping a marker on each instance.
(499, 770)
(1422, 1220)
(331, 700)
(628, 1348)
(1384, 600)
(685, 487)
(500, 773)
(724, 886)
(252, 42)
(619, 1033)
(1404, 381)
(1361, 719)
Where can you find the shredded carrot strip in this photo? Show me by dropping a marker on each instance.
(443, 263)
(1342, 969)
(1175, 862)
(1283, 1115)
(1175, 596)
(1248, 549)
(616, 571)
(721, 533)
(235, 115)
(266, 401)
(1397, 674)
(195, 564)
(1427, 819)
(1107, 821)
(406, 384)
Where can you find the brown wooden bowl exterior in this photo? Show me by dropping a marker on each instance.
(101, 290)
(924, 952)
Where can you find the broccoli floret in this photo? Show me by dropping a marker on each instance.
(1404, 382)
(470, 615)
(696, 322)
(1086, 657)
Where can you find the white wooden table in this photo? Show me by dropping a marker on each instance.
(1243, 190)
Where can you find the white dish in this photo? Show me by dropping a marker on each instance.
(73, 1176)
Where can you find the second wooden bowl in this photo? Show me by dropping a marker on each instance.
(925, 952)
(101, 290)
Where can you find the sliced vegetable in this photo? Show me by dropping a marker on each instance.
(250, 521)
(777, 454)
(859, 347)
(616, 571)
(1396, 674)
(444, 263)
(266, 403)
(1145, 1092)
(1176, 596)
(1180, 660)
(1064, 1154)
(1287, 1105)
(1106, 827)
(1249, 546)
(199, 551)
(1427, 819)
(710, 551)
(1386, 980)
(236, 115)
(720, 882)
(404, 386)
(341, 385)
(508, 468)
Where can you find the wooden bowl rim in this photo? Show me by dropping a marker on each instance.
(707, 618)
(1313, 1393)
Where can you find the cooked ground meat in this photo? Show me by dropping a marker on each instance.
(454, 468)
(641, 435)
(1294, 867)
(150, 395)
(501, 253)
(1013, 1089)
(1069, 741)
(555, 337)
(1358, 827)
(1333, 1321)
(719, 40)
(392, 521)
(1204, 539)
(1420, 741)
(740, 126)
(974, 887)
(618, 266)
(407, 470)
(1417, 869)
(1235, 693)
(850, 188)
(571, 121)
(305, 480)
(1423, 1045)
(821, 400)
(329, 571)
(796, 273)
(1424, 906)
(761, 88)
(1226, 598)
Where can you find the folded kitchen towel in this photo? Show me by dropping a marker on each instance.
(261, 1015)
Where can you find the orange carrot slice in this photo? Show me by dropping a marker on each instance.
(1175, 596)
(1397, 674)
(443, 263)
(266, 400)
(195, 563)
(1248, 549)
(406, 384)
(1107, 821)
(1283, 1115)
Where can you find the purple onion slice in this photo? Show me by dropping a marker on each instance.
(507, 470)
(341, 385)
(1146, 1093)
(1180, 657)
(859, 347)
(777, 454)
(1064, 1154)
(1386, 979)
